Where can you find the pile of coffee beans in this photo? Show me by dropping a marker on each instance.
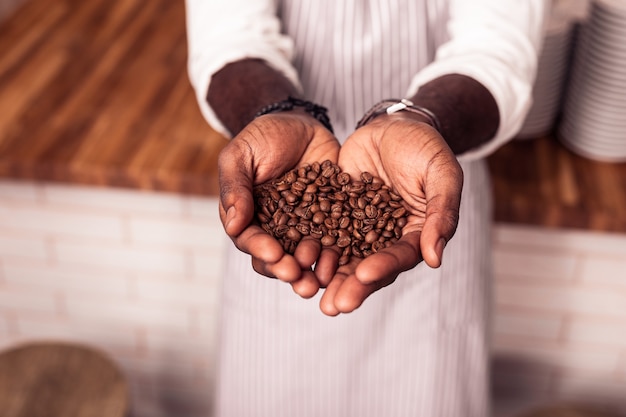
(359, 216)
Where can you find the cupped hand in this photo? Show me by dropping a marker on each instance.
(411, 157)
(266, 148)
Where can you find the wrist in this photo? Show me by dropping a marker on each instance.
(400, 109)
(316, 111)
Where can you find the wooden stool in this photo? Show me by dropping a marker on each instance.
(52, 379)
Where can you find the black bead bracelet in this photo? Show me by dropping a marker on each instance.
(320, 113)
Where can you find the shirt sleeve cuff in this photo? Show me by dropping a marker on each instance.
(201, 74)
(512, 95)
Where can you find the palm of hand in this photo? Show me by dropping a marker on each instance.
(411, 156)
(264, 150)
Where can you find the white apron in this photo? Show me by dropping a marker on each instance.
(415, 348)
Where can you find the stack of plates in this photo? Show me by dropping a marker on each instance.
(594, 110)
(551, 75)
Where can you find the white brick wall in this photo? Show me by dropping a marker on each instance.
(135, 274)
(560, 317)
(138, 274)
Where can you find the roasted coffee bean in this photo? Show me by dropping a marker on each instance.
(303, 228)
(370, 222)
(282, 219)
(401, 222)
(284, 186)
(343, 178)
(367, 228)
(316, 232)
(378, 245)
(336, 211)
(275, 195)
(339, 196)
(319, 217)
(280, 230)
(308, 197)
(291, 198)
(375, 185)
(315, 207)
(290, 177)
(371, 236)
(331, 223)
(321, 181)
(293, 234)
(328, 240)
(343, 238)
(358, 216)
(366, 177)
(328, 171)
(299, 185)
(263, 218)
(399, 212)
(356, 188)
(371, 212)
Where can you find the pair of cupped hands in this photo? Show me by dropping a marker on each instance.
(406, 153)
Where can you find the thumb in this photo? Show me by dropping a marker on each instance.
(442, 216)
(236, 199)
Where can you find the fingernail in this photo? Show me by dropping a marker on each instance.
(441, 244)
(230, 215)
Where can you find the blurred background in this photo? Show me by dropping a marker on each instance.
(110, 239)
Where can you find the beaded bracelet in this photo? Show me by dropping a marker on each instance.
(391, 106)
(320, 113)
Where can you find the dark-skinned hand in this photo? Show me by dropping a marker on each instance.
(266, 148)
(413, 158)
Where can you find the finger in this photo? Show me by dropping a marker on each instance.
(307, 252)
(352, 293)
(285, 269)
(327, 302)
(255, 241)
(389, 262)
(268, 255)
(307, 286)
(326, 266)
(236, 183)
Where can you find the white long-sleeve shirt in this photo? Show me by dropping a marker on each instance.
(349, 55)
(419, 346)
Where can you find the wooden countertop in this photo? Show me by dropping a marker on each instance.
(540, 182)
(96, 92)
